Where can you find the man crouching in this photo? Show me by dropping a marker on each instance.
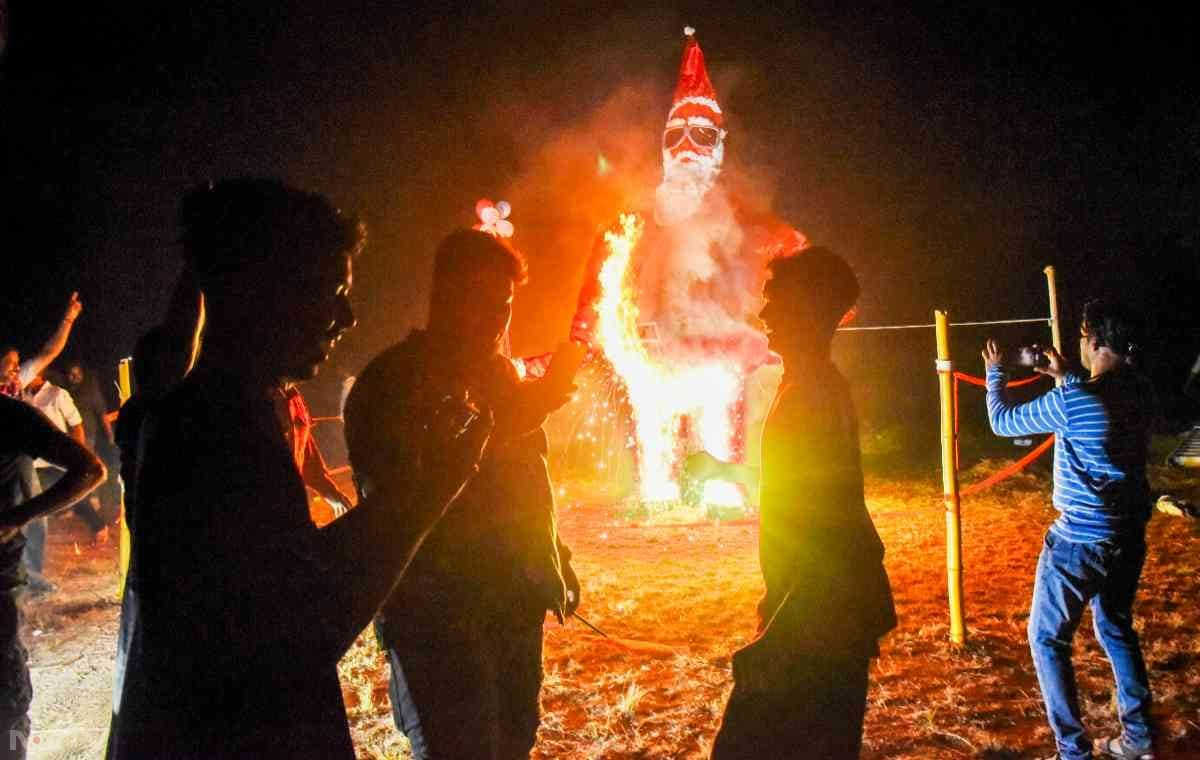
(464, 629)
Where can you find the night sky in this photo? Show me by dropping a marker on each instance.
(948, 152)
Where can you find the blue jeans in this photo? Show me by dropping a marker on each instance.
(35, 530)
(1069, 576)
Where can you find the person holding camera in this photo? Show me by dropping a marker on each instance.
(463, 631)
(1094, 551)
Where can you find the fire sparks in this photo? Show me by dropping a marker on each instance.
(676, 407)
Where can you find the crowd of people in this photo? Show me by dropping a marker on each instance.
(75, 406)
(237, 606)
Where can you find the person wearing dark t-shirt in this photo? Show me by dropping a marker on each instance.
(237, 608)
(464, 629)
(25, 433)
(800, 688)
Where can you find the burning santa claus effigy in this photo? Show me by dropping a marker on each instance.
(670, 299)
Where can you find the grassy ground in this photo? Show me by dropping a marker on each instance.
(690, 591)
(681, 597)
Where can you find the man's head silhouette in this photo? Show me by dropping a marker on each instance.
(806, 297)
(274, 264)
(474, 277)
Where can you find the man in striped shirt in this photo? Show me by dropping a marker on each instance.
(1093, 553)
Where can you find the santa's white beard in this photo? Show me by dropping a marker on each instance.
(687, 178)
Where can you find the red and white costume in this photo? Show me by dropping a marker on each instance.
(698, 268)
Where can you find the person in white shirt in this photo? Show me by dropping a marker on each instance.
(58, 406)
(15, 374)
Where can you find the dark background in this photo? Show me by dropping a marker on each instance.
(950, 152)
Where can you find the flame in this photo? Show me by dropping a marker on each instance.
(661, 394)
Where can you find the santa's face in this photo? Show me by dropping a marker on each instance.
(693, 148)
(693, 143)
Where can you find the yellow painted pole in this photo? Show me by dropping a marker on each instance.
(954, 585)
(124, 391)
(1055, 325)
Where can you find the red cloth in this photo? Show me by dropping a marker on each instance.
(694, 86)
(300, 436)
(309, 462)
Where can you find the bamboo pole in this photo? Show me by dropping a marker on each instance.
(1055, 326)
(124, 391)
(950, 499)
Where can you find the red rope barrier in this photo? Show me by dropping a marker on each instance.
(982, 383)
(1012, 469)
(1016, 466)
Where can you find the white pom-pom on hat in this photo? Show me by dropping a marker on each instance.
(688, 31)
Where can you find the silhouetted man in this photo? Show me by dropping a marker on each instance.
(240, 607)
(464, 628)
(162, 357)
(24, 434)
(1094, 551)
(92, 406)
(97, 427)
(800, 688)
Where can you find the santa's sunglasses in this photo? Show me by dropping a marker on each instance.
(702, 136)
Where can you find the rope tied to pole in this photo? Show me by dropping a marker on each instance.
(982, 383)
(1013, 468)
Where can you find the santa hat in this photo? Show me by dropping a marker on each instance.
(694, 87)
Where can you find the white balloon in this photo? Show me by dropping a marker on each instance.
(504, 209)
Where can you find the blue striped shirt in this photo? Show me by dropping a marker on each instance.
(1102, 431)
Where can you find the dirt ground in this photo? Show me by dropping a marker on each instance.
(681, 597)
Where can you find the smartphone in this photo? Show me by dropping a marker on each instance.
(1027, 356)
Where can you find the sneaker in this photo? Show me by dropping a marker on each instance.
(1115, 746)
